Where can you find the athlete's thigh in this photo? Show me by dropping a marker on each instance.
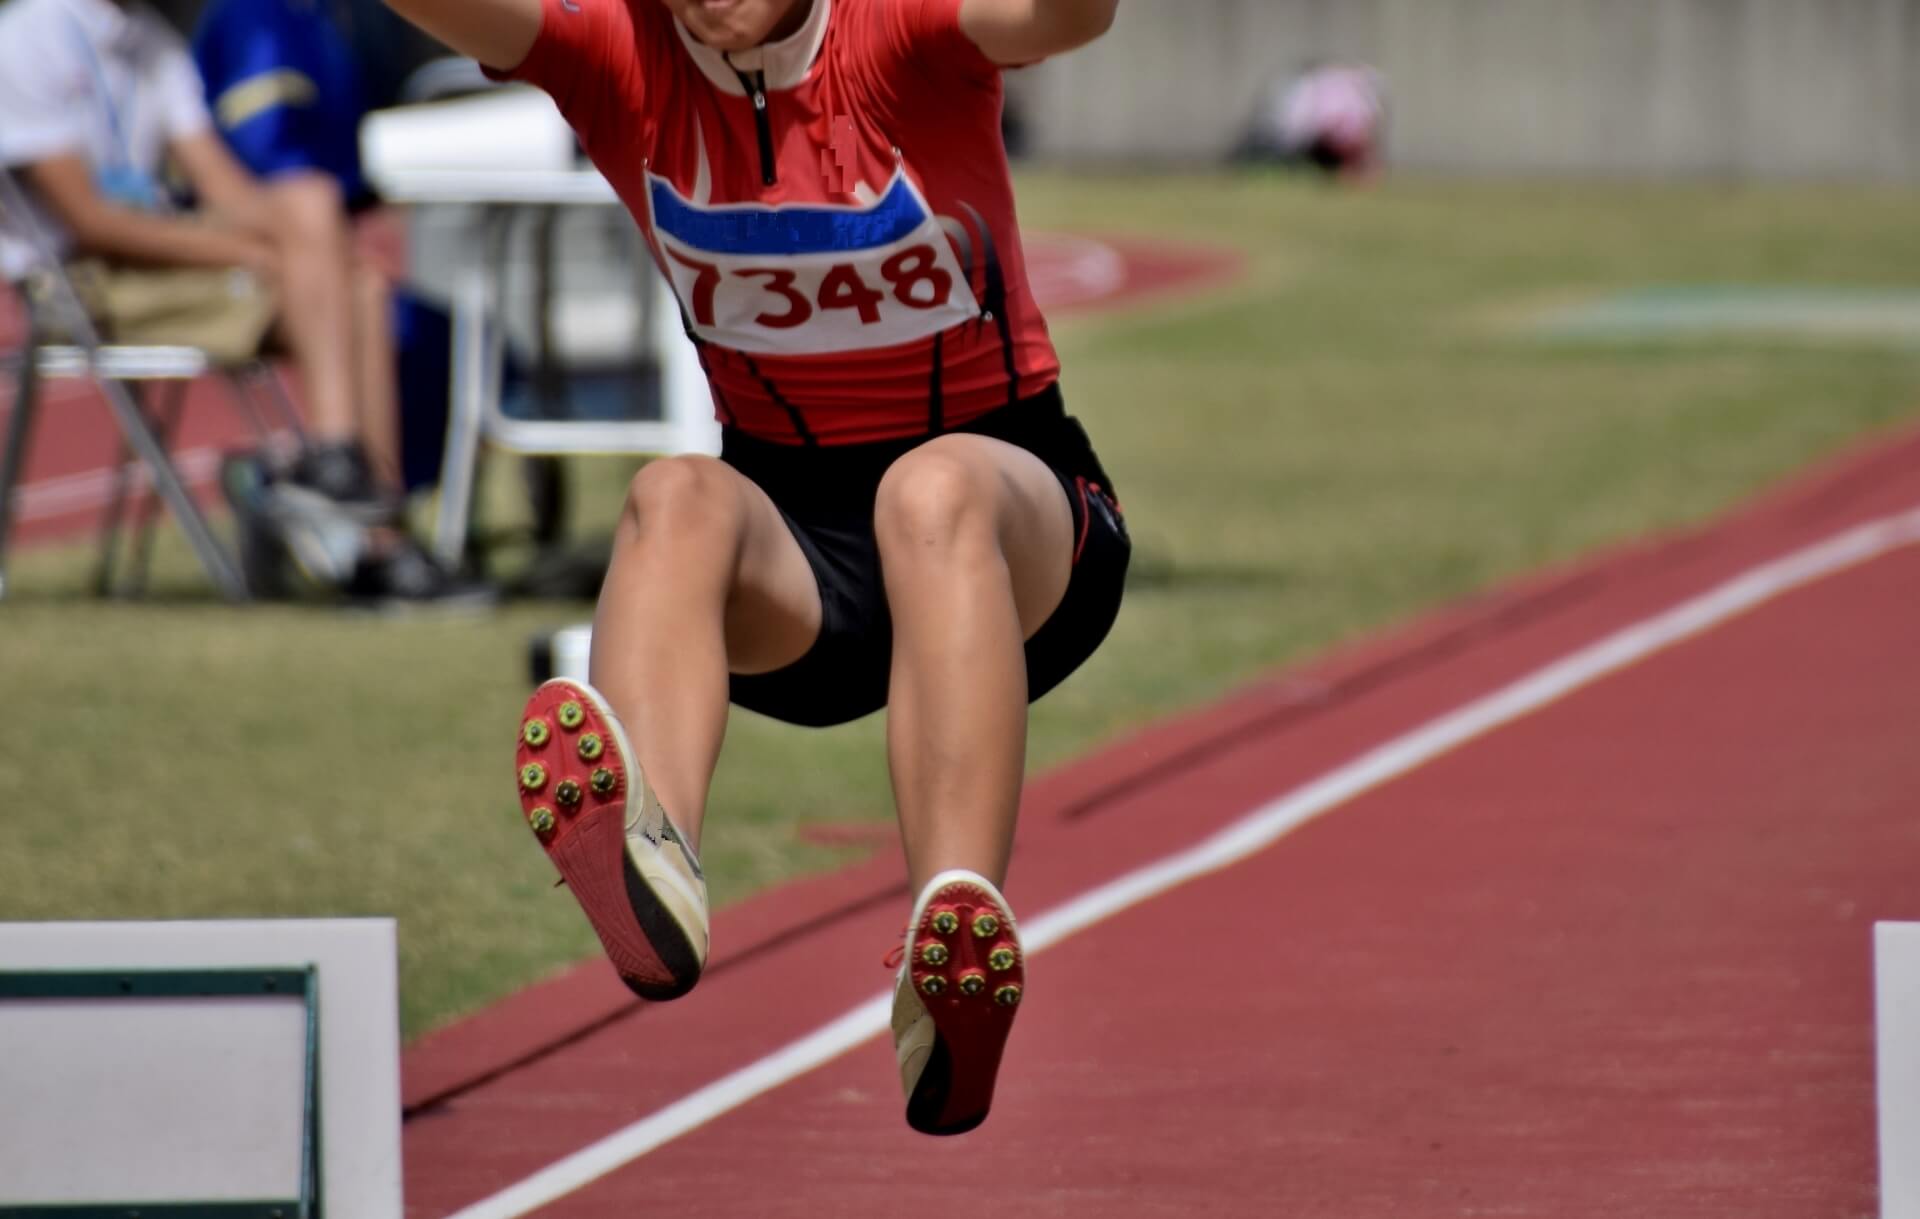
(773, 608)
(1032, 517)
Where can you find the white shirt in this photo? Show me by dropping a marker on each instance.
(115, 85)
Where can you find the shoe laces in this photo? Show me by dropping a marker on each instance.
(897, 955)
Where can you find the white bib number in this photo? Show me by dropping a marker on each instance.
(813, 280)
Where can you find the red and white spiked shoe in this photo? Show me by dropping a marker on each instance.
(635, 877)
(961, 980)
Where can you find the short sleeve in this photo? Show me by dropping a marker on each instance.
(928, 33)
(37, 116)
(177, 92)
(588, 52)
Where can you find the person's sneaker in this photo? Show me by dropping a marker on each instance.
(400, 572)
(632, 873)
(961, 980)
(325, 540)
(340, 471)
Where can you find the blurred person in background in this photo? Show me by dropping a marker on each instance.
(285, 87)
(289, 83)
(1331, 117)
(98, 100)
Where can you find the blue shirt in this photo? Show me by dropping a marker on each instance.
(284, 86)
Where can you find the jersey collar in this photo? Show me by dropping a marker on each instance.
(785, 63)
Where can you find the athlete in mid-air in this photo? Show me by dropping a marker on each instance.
(903, 514)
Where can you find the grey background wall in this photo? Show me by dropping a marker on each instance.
(1744, 88)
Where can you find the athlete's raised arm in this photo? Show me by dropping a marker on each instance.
(498, 33)
(1014, 32)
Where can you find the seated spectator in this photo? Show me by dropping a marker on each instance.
(284, 88)
(288, 83)
(97, 98)
(1332, 117)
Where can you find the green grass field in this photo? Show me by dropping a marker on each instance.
(1355, 431)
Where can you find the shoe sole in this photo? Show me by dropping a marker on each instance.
(583, 829)
(970, 974)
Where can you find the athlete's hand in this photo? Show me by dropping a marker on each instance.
(498, 33)
(1016, 32)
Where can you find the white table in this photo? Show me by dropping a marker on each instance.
(499, 198)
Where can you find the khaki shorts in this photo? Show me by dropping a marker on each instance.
(227, 313)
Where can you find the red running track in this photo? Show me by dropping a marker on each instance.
(1611, 957)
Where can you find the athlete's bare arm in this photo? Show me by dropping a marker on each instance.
(1014, 32)
(498, 33)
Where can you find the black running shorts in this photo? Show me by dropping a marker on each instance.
(827, 493)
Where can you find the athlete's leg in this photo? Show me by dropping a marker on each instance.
(976, 542)
(705, 579)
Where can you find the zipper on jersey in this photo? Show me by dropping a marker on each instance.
(756, 87)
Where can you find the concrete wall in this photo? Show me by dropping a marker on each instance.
(1762, 88)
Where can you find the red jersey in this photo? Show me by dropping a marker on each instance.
(834, 210)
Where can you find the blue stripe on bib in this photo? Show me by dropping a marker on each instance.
(788, 230)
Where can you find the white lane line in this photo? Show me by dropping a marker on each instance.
(89, 489)
(1231, 845)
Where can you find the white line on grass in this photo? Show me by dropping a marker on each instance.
(1236, 842)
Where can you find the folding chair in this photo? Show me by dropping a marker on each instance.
(144, 387)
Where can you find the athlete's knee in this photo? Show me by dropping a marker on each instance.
(933, 499)
(686, 497)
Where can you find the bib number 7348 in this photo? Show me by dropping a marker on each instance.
(913, 277)
(811, 279)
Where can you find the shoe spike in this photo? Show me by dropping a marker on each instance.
(603, 781)
(1001, 959)
(533, 777)
(541, 819)
(567, 793)
(536, 733)
(985, 925)
(591, 747)
(933, 984)
(1007, 996)
(571, 715)
(973, 984)
(934, 954)
(946, 922)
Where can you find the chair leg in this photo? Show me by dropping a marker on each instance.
(124, 468)
(265, 374)
(219, 565)
(240, 382)
(26, 401)
(173, 403)
(473, 347)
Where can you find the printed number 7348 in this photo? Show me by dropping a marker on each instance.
(914, 278)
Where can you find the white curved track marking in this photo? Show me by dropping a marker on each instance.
(1065, 271)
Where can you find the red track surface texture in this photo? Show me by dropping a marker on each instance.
(1611, 959)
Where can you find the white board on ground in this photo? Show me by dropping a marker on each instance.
(199, 1100)
(1896, 981)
